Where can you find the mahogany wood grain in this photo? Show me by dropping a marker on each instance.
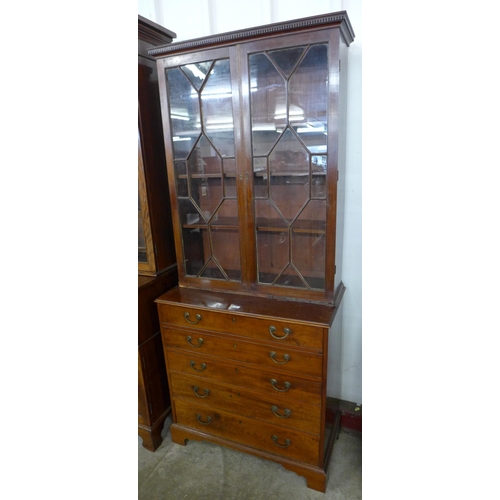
(284, 387)
(247, 333)
(303, 447)
(258, 406)
(282, 359)
(251, 306)
(268, 329)
(159, 273)
(153, 392)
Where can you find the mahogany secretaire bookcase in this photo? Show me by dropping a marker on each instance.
(254, 124)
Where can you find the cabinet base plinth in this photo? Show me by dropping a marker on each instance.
(151, 436)
(315, 476)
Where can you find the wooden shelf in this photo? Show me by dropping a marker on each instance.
(221, 223)
(263, 173)
(207, 176)
(301, 227)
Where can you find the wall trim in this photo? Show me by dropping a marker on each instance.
(350, 414)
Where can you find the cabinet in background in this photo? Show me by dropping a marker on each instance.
(157, 260)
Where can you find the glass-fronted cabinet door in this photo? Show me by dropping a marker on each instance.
(145, 242)
(203, 162)
(252, 160)
(293, 162)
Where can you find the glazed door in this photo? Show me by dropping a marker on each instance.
(293, 151)
(146, 255)
(200, 97)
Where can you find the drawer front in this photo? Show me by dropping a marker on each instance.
(284, 387)
(242, 402)
(281, 359)
(262, 329)
(260, 435)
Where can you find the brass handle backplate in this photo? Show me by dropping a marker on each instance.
(286, 358)
(189, 338)
(209, 419)
(287, 413)
(206, 391)
(198, 318)
(272, 331)
(287, 385)
(286, 445)
(203, 366)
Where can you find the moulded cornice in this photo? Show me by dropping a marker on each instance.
(154, 33)
(335, 19)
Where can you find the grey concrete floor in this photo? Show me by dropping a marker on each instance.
(204, 471)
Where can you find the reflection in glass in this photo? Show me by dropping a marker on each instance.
(200, 98)
(291, 278)
(142, 237)
(318, 178)
(260, 178)
(217, 104)
(181, 178)
(309, 243)
(286, 59)
(289, 170)
(197, 72)
(289, 126)
(184, 112)
(268, 103)
(308, 91)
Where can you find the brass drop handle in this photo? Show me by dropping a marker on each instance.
(272, 331)
(203, 366)
(189, 338)
(198, 318)
(198, 417)
(286, 445)
(195, 390)
(286, 357)
(287, 413)
(287, 385)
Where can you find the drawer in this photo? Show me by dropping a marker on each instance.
(279, 358)
(242, 402)
(278, 440)
(262, 329)
(284, 387)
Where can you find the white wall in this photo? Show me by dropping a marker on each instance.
(197, 18)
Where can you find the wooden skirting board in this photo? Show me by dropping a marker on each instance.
(351, 414)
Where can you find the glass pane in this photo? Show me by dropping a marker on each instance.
(197, 72)
(289, 170)
(273, 251)
(225, 241)
(308, 94)
(272, 241)
(184, 112)
(268, 103)
(194, 240)
(229, 165)
(291, 278)
(318, 180)
(217, 104)
(213, 271)
(309, 243)
(142, 237)
(181, 178)
(205, 177)
(286, 59)
(226, 215)
(260, 178)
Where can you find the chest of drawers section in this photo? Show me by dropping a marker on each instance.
(248, 379)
